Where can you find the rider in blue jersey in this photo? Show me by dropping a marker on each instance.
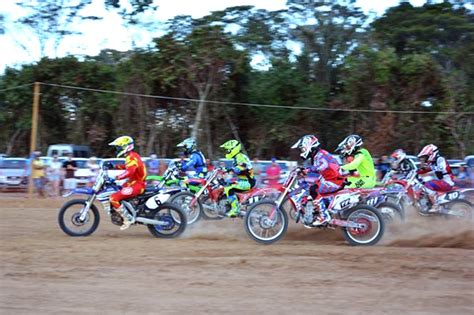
(196, 158)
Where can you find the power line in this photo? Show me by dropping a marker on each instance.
(253, 104)
(17, 87)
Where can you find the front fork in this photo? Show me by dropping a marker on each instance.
(280, 199)
(83, 213)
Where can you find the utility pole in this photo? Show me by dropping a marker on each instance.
(34, 129)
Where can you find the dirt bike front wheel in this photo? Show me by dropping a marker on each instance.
(210, 209)
(372, 226)
(391, 212)
(70, 222)
(265, 222)
(460, 209)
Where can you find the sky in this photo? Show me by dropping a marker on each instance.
(18, 47)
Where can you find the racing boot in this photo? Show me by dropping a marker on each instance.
(324, 217)
(127, 218)
(432, 200)
(234, 207)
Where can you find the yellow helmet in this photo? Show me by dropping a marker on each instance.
(232, 147)
(123, 145)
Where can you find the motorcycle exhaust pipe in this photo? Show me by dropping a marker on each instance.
(150, 221)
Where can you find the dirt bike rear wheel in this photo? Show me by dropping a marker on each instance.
(183, 200)
(260, 227)
(173, 215)
(372, 219)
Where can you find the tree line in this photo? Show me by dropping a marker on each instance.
(324, 56)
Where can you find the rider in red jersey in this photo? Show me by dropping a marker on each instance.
(326, 167)
(135, 171)
(432, 161)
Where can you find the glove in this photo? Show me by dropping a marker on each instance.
(302, 171)
(343, 172)
(109, 180)
(108, 165)
(178, 165)
(224, 169)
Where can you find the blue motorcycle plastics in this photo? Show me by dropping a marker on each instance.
(83, 191)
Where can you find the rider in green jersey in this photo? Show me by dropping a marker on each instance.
(362, 162)
(242, 167)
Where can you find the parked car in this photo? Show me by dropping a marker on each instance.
(82, 173)
(469, 160)
(454, 161)
(13, 173)
(81, 151)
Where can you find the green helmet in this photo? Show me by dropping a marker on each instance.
(232, 148)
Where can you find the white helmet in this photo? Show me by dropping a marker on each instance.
(307, 144)
(397, 156)
(350, 145)
(429, 153)
(188, 144)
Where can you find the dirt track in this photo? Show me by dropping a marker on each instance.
(216, 268)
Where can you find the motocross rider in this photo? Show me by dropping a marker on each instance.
(196, 158)
(400, 165)
(326, 167)
(362, 162)
(242, 167)
(135, 171)
(432, 161)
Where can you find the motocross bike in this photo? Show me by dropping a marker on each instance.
(172, 178)
(451, 204)
(379, 198)
(212, 199)
(186, 186)
(80, 217)
(266, 221)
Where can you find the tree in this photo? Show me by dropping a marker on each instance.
(51, 21)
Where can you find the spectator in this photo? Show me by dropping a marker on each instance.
(94, 168)
(209, 165)
(37, 174)
(153, 167)
(273, 174)
(54, 174)
(69, 167)
(28, 165)
(470, 172)
(462, 179)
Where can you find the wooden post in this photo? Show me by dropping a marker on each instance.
(34, 129)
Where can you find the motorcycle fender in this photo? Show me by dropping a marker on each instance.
(155, 201)
(449, 196)
(376, 200)
(83, 191)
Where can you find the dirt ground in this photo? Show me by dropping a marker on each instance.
(424, 267)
